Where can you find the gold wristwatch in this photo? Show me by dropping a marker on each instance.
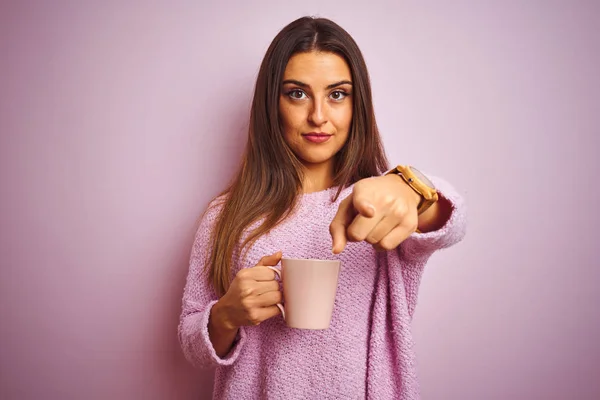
(419, 183)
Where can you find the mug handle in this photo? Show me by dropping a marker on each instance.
(279, 305)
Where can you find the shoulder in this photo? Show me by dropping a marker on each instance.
(216, 205)
(207, 220)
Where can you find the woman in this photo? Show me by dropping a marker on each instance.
(312, 184)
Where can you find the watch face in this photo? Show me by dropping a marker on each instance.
(422, 177)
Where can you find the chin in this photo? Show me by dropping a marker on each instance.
(316, 159)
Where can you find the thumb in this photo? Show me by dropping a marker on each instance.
(270, 261)
(337, 229)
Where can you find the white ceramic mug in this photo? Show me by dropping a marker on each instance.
(309, 288)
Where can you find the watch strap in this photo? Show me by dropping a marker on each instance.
(428, 194)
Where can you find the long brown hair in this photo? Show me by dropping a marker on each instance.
(270, 177)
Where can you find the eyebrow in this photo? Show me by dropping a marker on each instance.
(302, 84)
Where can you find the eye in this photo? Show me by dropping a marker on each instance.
(296, 94)
(338, 95)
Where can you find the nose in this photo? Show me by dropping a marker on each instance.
(317, 114)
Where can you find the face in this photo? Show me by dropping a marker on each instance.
(315, 106)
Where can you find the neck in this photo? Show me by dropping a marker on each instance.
(317, 177)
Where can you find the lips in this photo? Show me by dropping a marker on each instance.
(317, 137)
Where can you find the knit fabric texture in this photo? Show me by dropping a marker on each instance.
(367, 352)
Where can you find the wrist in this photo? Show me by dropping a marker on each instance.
(220, 331)
(219, 320)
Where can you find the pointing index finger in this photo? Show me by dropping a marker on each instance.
(342, 219)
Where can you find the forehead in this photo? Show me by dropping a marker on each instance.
(313, 67)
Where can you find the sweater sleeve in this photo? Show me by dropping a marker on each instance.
(416, 250)
(198, 299)
(419, 246)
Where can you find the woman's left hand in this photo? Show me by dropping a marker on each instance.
(381, 210)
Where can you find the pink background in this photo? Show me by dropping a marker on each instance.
(119, 122)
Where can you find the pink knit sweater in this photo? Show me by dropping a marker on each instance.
(368, 350)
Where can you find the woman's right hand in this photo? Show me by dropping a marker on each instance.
(251, 298)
